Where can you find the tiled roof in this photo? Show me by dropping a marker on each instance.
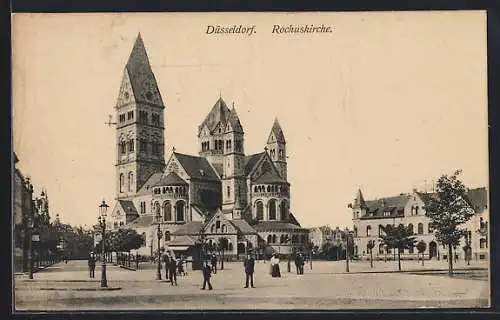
(219, 113)
(270, 177)
(278, 133)
(182, 240)
(219, 168)
(274, 225)
(151, 182)
(234, 120)
(172, 179)
(139, 71)
(478, 198)
(142, 221)
(251, 161)
(243, 226)
(197, 167)
(190, 228)
(294, 220)
(128, 206)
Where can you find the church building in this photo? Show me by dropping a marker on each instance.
(222, 192)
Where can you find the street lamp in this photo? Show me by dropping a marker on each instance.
(103, 208)
(158, 235)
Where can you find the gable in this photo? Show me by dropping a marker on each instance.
(118, 213)
(266, 171)
(173, 165)
(217, 223)
(126, 94)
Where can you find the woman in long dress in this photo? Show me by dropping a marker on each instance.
(275, 267)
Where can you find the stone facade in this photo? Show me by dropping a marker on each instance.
(183, 195)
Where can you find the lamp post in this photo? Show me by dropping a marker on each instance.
(103, 208)
(158, 235)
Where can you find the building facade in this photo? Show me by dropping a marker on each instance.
(221, 192)
(409, 210)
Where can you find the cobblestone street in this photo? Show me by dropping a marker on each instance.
(326, 286)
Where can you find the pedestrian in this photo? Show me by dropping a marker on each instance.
(249, 269)
(180, 266)
(214, 263)
(166, 260)
(136, 261)
(297, 262)
(207, 272)
(91, 264)
(275, 267)
(301, 263)
(172, 267)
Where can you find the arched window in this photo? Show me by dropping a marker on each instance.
(272, 209)
(179, 211)
(482, 243)
(284, 210)
(122, 182)
(212, 228)
(380, 230)
(274, 238)
(157, 210)
(130, 180)
(167, 235)
(255, 189)
(420, 228)
(260, 210)
(224, 228)
(368, 231)
(416, 210)
(410, 228)
(269, 238)
(167, 211)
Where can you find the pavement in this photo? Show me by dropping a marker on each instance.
(326, 286)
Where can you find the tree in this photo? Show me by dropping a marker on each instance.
(399, 237)
(370, 246)
(448, 209)
(222, 245)
(421, 246)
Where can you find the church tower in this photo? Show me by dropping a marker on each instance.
(140, 124)
(234, 188)
(276, 146)
(211, 134)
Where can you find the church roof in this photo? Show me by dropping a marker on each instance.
(182, 240)
(197, 167)
(293, 220)
(360, 200)
(251, 161)
(142, 221)
(219, 113)
(234, 120)
(219, 167)
(128, 206)
(139, 69)
(275, 225)
(278, 133)
(269, 177)
(478, 198)
(151, 182)
(172, 179)
(190, 228)
(243, 226)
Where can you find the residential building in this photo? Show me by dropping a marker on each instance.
(409, 210)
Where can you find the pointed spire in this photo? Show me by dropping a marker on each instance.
(234, 120)
(359, 200)
(219, 114)
(140, 74)
(276, 132)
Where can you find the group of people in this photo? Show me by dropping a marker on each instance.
(299, 263)
(209, 268)
(173, 266)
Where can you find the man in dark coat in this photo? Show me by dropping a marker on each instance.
(249, 269)
(91, 263)
(302, 261)
(214, 263)
(207, 272)
(166, 259)
(172, 267)
(297, 262)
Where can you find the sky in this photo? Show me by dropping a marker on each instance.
(387, 102)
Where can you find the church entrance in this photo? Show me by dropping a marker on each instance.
(432, 250)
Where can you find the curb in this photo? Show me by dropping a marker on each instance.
(83, 289)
